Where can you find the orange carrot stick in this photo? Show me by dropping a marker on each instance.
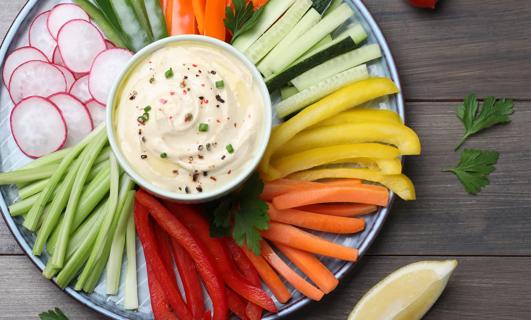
(289, 274)
(214, 16)
(259, 3)
(199, 7)
(299, 239)
(316, 221)
(281, 186)
(269, 276)
(341, 209)
(311, 267)
(168, 13)
(358, 194)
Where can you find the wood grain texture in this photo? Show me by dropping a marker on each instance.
(463, 46)
(481, 288)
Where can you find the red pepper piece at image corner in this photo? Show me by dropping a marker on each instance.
(425, 4)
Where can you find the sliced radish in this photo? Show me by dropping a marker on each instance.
(69, 77)
(63, 13)
(58, 60)
(80, 89)
(38, 127)
(109, 45)
(79, 44)
(40, 37)
(97, 111)
(107, 67)
(36, 78)
(77, 117)
(18, 57)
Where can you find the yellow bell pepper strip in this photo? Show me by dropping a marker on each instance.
(362, 115)
(399, 184)
(321, 156)
(405, 139)
(343, 99)
(385, 166)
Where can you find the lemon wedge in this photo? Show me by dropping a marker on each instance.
(406, 294)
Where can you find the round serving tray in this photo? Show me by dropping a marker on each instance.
(11, 158)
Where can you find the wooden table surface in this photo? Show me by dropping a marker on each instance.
(481, 46)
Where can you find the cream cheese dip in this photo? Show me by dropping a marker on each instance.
(189, 117)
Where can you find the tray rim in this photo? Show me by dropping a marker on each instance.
(343, 270)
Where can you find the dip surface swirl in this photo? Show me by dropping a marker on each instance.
(189, 117)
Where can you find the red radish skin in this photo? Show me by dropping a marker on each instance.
(63, 13)
(40, 37)
(424, 4)
(110, 45)
(80, 43)
(80, 89)
(36, 78)
(97, 112)
(18, 57)
(106, 68)
(76, 115)
(69, 77)
(38, 127)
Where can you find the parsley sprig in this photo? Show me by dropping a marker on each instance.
(474, 168)
(55, 314)
(242, 18)
(243, 215)
(475, 119)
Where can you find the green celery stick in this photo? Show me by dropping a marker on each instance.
(131, 288)
(28, 175)
(138, 37)
(141, 15)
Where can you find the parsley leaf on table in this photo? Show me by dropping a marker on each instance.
(494, 111)
(242, 18)
(55, 314)
(243, 215)
(474, 168)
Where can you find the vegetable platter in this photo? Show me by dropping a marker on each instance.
(277, 77)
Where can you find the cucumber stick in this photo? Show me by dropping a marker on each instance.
(141, 15)
(321, 5)
(156, 18)
(324, 41)
(278, 31)
(333, 5)
(273, 10)
(138, 37)
(313, 36)
(279, 80)
(356, 32)
(321, 90)
(288, 92)
(337, 65)
(309, 20)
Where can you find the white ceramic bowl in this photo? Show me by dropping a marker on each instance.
(255, 156)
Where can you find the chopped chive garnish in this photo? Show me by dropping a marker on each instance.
(164, 155)
(146, 116)
(230, 148)
(169, 73)
(220, 84)
(143, 118)
(203, 127)
(147, 109)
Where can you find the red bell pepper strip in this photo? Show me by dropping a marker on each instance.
(164, 248)
(180, 17)
(171, 291)
(425, 4)
(197, 251)
(200, 226)
(207, 316)
(247, 269)
(190, 279)
(237, 304)
(159, 305)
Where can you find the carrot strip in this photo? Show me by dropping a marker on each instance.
(199, 7)
(311, 267)
(281, 186)
(182, 18)
(358, 194)
(269, 276)
(168, 13)
(214, 16)
(299, 239)
(341, 209)
(259, 3)
(316, 221)
(164, 5)
(289, 274)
